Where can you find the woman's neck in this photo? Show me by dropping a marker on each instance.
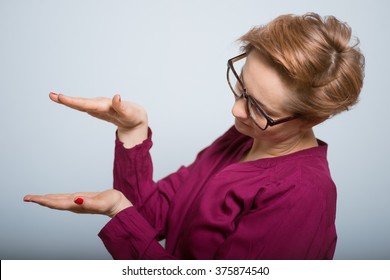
(267, 149)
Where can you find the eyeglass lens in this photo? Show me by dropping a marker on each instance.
(252, 109)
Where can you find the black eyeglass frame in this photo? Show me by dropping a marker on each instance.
(250, 99)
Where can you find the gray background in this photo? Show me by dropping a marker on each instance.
(169, 56)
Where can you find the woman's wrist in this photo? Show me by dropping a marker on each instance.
(131, 137)
(122, 205)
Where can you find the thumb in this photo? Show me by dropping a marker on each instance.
(117, 104)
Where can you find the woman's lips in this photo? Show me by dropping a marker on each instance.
(241, 122)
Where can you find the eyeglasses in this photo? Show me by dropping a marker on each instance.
(253, 109)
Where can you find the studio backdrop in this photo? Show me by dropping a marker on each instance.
(170, 56)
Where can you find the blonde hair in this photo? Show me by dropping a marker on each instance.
(315, 56)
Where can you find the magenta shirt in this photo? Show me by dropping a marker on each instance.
(220, 208)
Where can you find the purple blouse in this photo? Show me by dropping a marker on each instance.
(220, 208)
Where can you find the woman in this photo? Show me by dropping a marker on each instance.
(262, 190)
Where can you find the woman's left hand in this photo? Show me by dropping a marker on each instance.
(109, 202)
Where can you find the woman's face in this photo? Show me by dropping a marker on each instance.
(264, 84)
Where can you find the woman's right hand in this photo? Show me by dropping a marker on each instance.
(130, 118)
(109, 202)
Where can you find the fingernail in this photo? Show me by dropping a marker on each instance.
(120, 99)
(26, 199)
(79, 200)
(53, 93)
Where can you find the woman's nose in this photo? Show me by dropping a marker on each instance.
(239, 108)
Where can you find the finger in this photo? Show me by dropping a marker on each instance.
(32, 197)
(54, 97)
(85, 104)
(59, 202)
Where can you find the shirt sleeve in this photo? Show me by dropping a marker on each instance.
(128, 236)
(133, 176)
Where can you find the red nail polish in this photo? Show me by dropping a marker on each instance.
(79, 200)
